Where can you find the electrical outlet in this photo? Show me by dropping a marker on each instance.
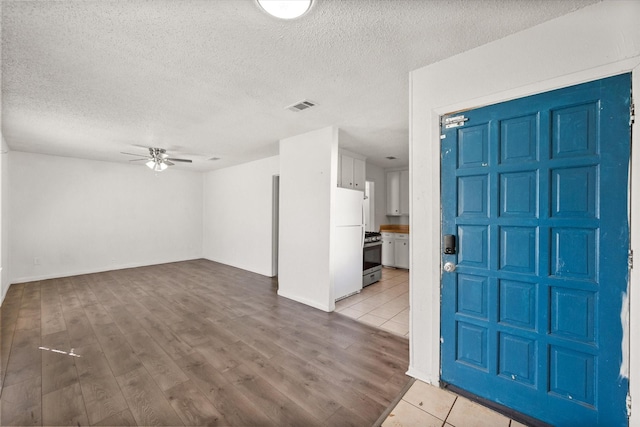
(36, 261)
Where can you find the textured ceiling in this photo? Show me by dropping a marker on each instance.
(211, 78)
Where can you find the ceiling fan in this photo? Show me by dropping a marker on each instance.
(157, 160)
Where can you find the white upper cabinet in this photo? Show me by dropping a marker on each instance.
(393, 193)
(398, 193)
(352, 170)
(346, 172)
(359, 174)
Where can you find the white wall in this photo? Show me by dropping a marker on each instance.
(79, 216)
(4, 220)
(308, 177)
(591, 43)
(397, 220)
(377, 175)
(4, 184)
(237, 223)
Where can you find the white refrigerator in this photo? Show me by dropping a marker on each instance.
(348, 240)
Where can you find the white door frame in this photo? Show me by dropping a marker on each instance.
(593, 42)
(427, 338)
(275, 223)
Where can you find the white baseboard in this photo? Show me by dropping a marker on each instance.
(266, 273)
(305, 301)
(3, 290)
(71, 273)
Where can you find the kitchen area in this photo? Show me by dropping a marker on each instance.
(337, 211)
(382, 299)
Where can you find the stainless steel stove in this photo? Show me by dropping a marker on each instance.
(372, 258)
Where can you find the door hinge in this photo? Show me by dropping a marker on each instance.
(632, 113)
(628, 405)
(630, 261)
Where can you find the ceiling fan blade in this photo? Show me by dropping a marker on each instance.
(179, 160)
(168, 163)
(139, 160)
(132, 154)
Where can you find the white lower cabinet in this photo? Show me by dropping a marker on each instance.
(401, 250)
(388, 249)
(395, 250)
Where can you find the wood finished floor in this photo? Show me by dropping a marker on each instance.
(188, 343)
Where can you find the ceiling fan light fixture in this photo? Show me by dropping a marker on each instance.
(285, 9)
(156, 165)
(157, 160)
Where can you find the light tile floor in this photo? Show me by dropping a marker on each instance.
(384, 304)
(425, 405)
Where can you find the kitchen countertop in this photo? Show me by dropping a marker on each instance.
(394, 228)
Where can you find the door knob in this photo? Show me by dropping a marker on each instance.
(449, 267)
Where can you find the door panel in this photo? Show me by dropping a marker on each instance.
(536, 191)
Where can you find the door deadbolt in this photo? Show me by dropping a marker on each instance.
(449, 244)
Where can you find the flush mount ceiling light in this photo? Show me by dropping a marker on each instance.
(285, 9)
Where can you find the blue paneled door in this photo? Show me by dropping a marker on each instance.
(535, 191)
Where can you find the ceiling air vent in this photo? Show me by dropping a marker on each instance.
(300, 106)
